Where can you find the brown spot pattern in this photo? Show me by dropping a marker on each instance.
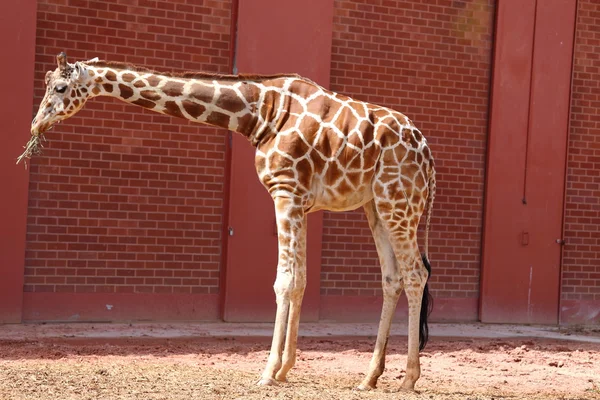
(150, 95)
(247, 123)
(316, 106)
(192, 108)
(418, 135)
(293, 145)
(260, 162)
(329, 142)
(230, 101)
(270, 105)
(111, 76)
(409, 170)
(202, 93)
(344, 188)
(304, 172)
(139, 84)
(355, 162)
(173, 89)
(303, 88)
(318, 162)
(153, 80)
(408, 137)
(173, 109)
(108, 87)
(126, 91)
(295, 106)
(144, 103)
(250, 93)
(333, 173)
(309, 127)
(127, 77)
(354, 177)
(219, 119)
(387, 138)
(277, 162)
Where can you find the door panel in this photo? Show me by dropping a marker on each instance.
(526, 162)
(272, 37)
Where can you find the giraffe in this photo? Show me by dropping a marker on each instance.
(315, 150)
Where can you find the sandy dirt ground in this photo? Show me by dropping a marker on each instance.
(327, 369)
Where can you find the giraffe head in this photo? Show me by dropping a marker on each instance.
(67, 90)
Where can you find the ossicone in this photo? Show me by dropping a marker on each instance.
(61, 60)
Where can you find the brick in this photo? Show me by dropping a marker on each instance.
(582, 241)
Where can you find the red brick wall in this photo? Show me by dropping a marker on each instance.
(430, 60)
(125, 200)
(581, 265)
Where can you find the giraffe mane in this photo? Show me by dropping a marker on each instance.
(189, 74)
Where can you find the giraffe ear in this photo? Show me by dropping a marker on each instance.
(61, 60)
(79, 72)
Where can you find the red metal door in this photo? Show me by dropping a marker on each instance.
(526, 161)
(273, 36)
(17, 29)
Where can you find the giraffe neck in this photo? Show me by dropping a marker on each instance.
(228, 103)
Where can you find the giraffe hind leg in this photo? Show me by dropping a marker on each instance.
(415, 275)
(392, 288)
(399, 206)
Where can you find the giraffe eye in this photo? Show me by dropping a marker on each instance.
(61, 89)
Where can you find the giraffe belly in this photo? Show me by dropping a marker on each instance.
(328, 198)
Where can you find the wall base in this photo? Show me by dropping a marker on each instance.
(111, 307)
(581, 312)
(368, 309)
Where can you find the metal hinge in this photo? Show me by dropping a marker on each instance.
(230, 230)
(560, 241)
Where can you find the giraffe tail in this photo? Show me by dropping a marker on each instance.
(426, 307)
(427, 301)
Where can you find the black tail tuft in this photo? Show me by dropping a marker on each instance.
(426, 307)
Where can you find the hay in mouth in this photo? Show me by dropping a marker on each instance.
(33, 147)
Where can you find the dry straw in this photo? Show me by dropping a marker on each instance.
(33, 147)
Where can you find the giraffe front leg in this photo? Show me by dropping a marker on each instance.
(290, 228)
(283, 302)
(296, 296)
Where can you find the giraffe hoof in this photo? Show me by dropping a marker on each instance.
(267, 382)
(407, 386)
(364, 388)
(281, 378)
